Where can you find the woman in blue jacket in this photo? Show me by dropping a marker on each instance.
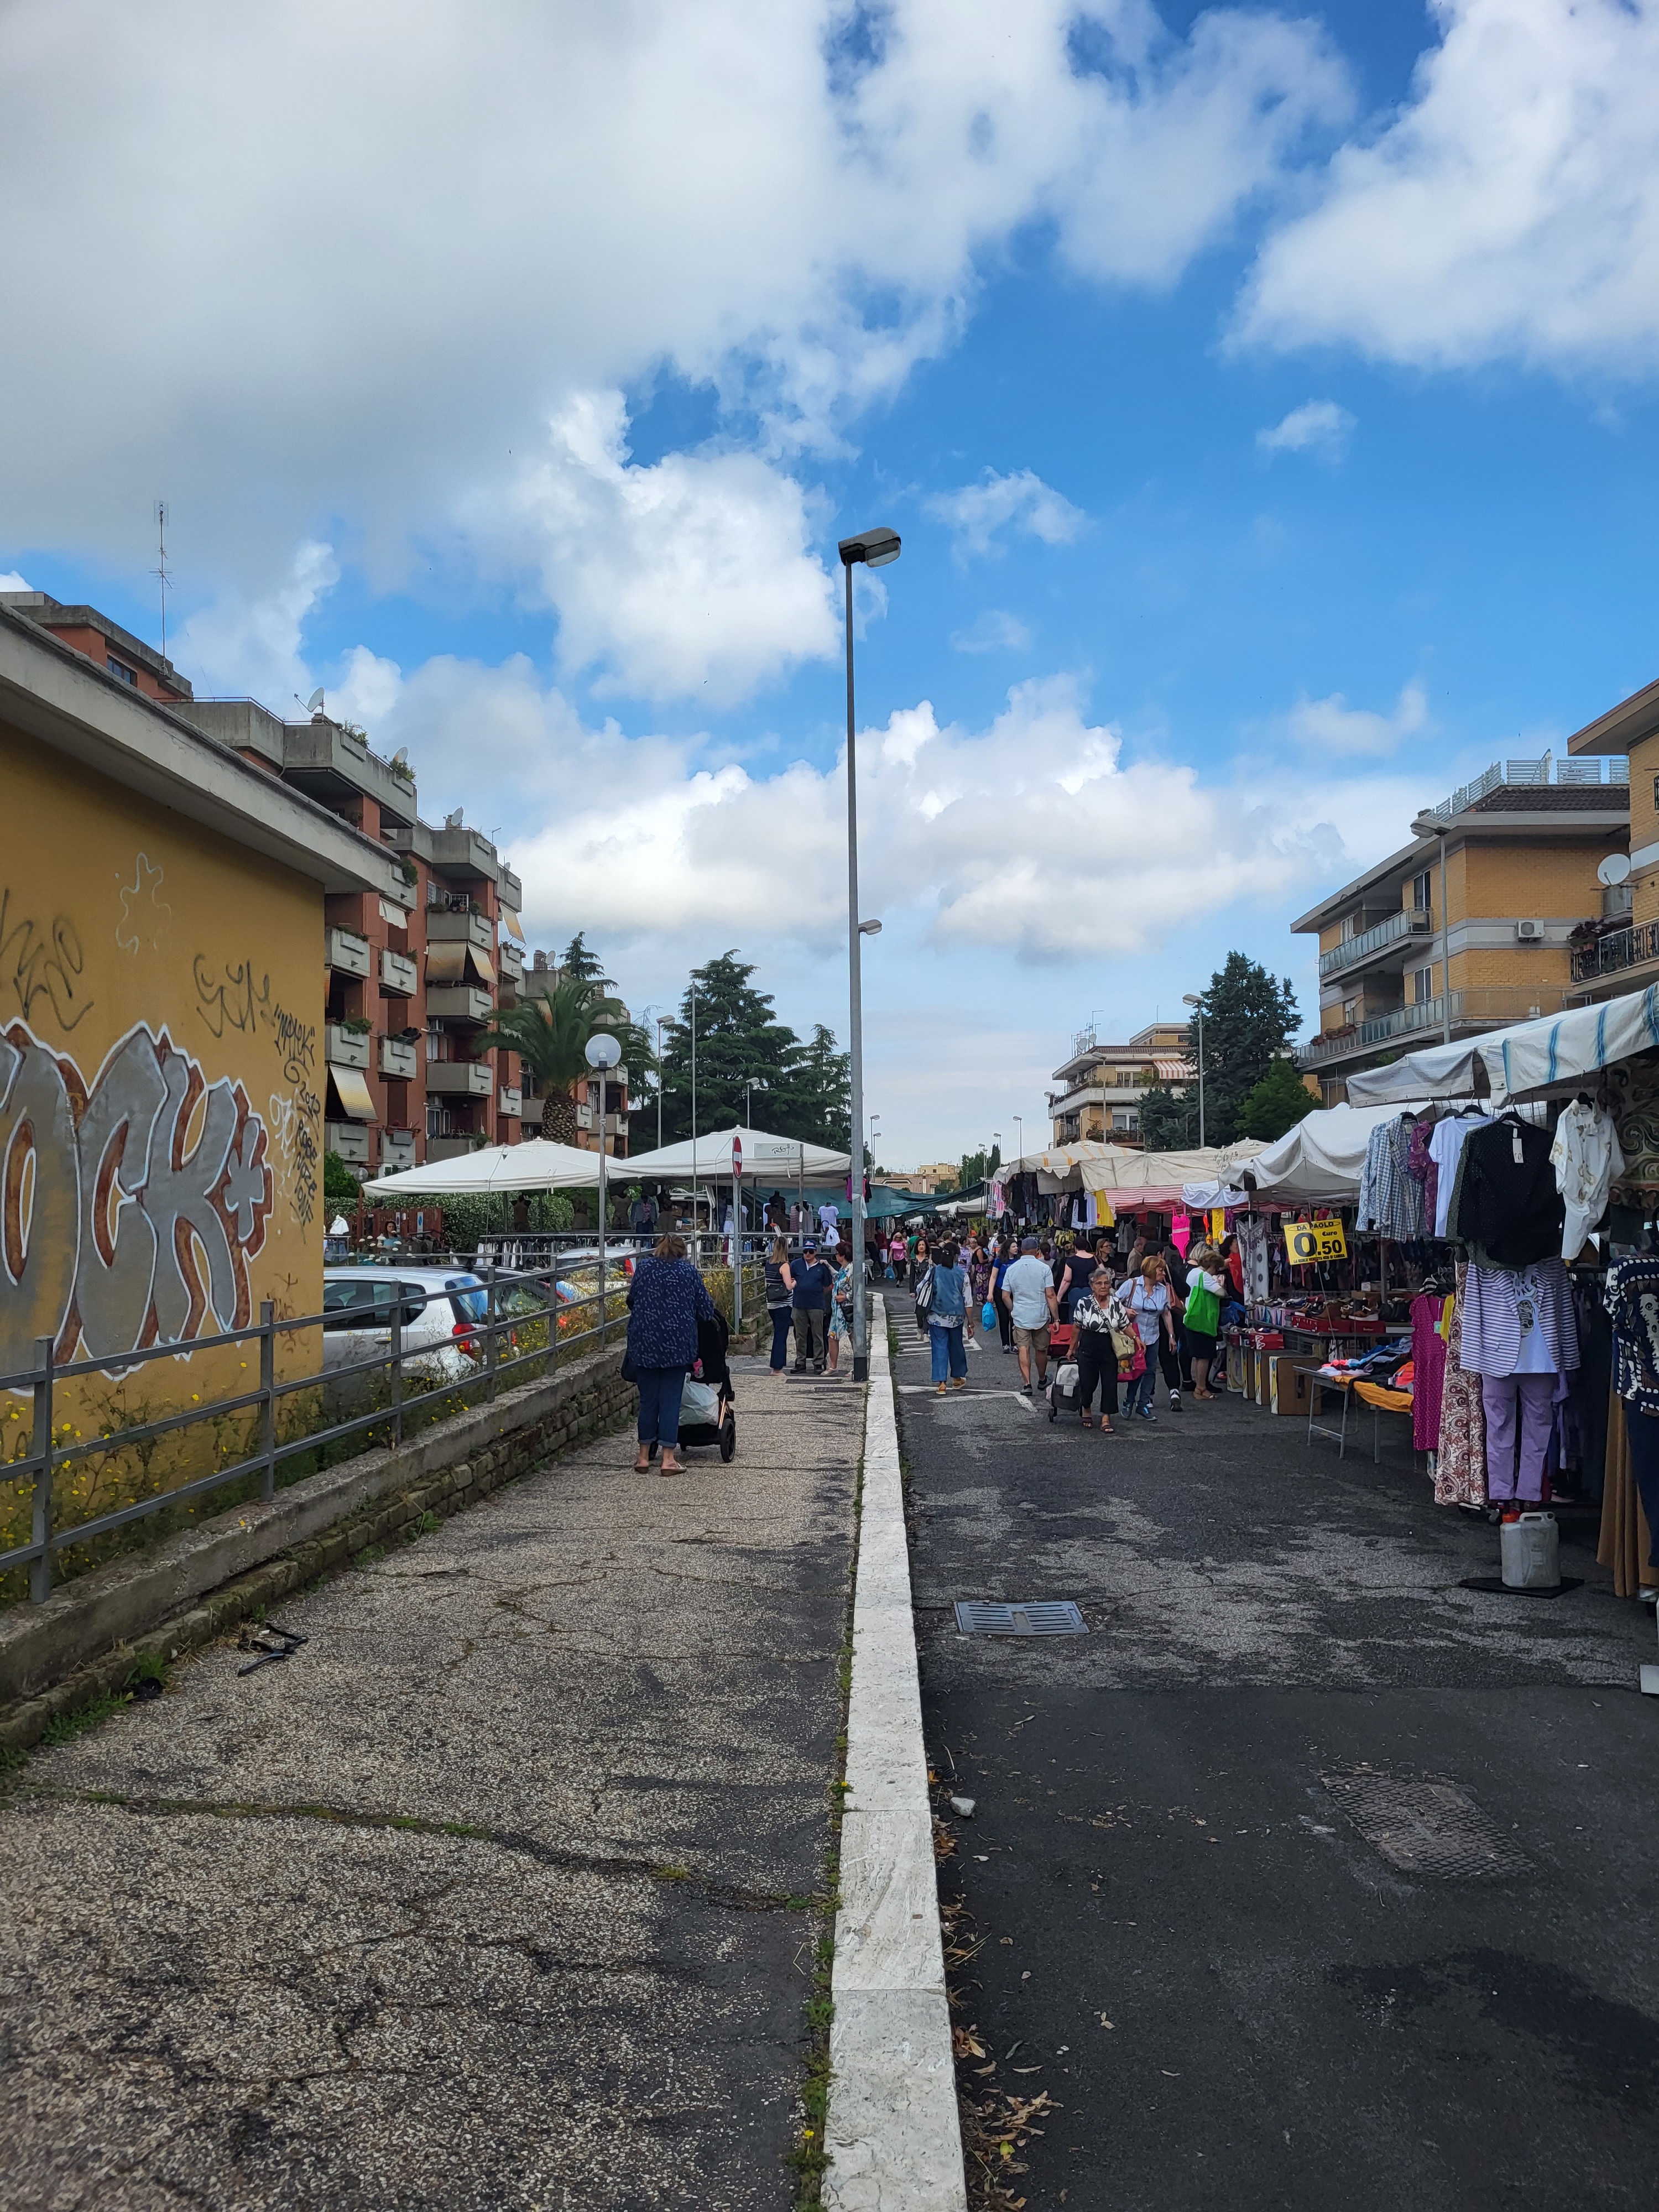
(946, 1314)
(666, 1302)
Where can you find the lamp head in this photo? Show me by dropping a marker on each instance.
(1187, 1000)
(603, 1050)
(869, 929)
(875, 548)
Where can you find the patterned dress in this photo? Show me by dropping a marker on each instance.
(1460, 1467)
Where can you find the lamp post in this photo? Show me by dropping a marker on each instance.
(602, 1054)
(1189, 1001)
(750, 1084)
(696, 1232)
(875, 548)
(660, 1022)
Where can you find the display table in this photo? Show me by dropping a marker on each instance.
(1377, 1396)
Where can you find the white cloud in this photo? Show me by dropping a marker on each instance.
(1510, 209)
(1318, 427)
(994, 631)
(1020, 500)
(252, 645)
(692, 575)
(11, 581)
(1331, 725)
(407, 234)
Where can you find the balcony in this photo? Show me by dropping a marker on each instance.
(398, 974)
(349, 1139)
(1398, 928)
(448, 1148)
(398, 1058)
(343, 950)
(1619, 948)
(512, 1102)
(459, 1001)
(344, 1047)
(464, 1078)
(443, 927)
(512, 958)
(1484, 1006)
(397, 1150)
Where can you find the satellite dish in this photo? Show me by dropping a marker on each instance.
(315, 701)
(1614, 870)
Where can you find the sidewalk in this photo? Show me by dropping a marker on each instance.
(498, 1894)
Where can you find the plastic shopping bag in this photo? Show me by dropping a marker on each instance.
(988, 1316)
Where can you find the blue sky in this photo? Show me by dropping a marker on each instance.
(548, 493)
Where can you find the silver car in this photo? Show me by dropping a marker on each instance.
(441, 1311)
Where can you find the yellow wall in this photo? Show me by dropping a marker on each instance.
(1534, 878)
(1644, 827)
(161, 1088)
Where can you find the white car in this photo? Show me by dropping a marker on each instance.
(440, 1307)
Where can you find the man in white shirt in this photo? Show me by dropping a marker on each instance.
(1028, 1291)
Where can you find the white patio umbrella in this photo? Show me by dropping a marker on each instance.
(765, 1159)
(537, 1164)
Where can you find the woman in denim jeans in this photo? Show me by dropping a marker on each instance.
(666, 1301)
(945, 1317)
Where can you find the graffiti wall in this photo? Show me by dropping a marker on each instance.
(160, 1080)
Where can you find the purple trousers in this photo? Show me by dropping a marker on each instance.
(1498, 1396)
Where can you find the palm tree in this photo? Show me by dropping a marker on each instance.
(551, 1036)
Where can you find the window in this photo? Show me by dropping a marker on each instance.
(1128, 1078)
(1349, 1012)
(1350, 925)
(1422, 889)
(119, 668)
(1422, 986)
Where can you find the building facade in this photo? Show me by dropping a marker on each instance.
(1620, 950)
(412, 971)
(1518, 851)
(1101, 1085)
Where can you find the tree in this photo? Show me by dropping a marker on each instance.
(579, 965)
(1169, 1119)
(1247, 1020)
(808, 1086)
(340, 1186)
(1276, 1103)
(551, 1036)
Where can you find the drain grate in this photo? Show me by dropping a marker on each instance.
(1429, 1828)
(980, 1616)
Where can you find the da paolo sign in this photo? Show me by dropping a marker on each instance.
(1307, 1241)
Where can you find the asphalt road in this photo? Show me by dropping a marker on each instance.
(1233, 1997)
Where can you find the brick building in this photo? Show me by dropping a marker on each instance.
(410, 978)
(1523, 844)
(1101, 1085)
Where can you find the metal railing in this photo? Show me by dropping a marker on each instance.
(517, 1301)
(1586, 769)
(1410, 922)
(1619, 948)
(1481, 1004)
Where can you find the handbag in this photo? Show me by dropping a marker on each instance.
(1125, 1344)
(1203, 1310)
(925, 1295)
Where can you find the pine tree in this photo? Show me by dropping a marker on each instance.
(578, 964)
(1169, 1120)
(1247, 1020)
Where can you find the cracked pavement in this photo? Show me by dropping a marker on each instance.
(1163, 1920)
(498, 1894)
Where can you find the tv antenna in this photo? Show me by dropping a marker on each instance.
(159, 571)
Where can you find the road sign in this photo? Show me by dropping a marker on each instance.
(1307, 1241)
(737, 1158)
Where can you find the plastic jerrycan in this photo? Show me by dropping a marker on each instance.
(1530, 1547)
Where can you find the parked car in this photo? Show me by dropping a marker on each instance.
(440, 1308)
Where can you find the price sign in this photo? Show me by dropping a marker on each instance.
(1307, 1241)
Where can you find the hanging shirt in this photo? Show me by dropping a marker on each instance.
(1390, 1199)
(1507, 1212)
(1586, 1157)
(1446, 1141)
(1632, 1297)
(1519, 1322)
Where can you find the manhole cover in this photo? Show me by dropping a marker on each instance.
(980, 1616)
(1429, 1828)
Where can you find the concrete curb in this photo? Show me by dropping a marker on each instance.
(892, 2133)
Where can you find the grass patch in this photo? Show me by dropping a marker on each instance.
(370, 1556)
(65, 1726)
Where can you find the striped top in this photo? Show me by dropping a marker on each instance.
(1519, 1322)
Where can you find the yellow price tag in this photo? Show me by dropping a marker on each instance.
(1308, 1241)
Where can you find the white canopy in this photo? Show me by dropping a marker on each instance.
(1318, 1162)
(1527, 1060)
(537, 1164)
(766, 1159)
(1161, 1178)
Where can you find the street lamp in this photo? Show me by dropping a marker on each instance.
(875, 548)
(602, 1054)
(1187, 1000)
(750, 1084)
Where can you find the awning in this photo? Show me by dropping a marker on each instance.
(482, 966)
(535, 1164)
(354, 1094)
(512, 922)
(1318, 1162)
(447, 962)
(1527, 1060)
(1437, 1071)
(396, 914)
(1174, 1071)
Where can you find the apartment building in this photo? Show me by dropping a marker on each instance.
(1619, 951)
(1101, 1085)
(602, 1104)
(1519, 849)
(411, 972)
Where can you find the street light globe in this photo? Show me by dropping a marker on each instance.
(603, 1050)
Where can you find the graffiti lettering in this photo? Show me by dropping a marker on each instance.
(38, 963)
(237, 1000)
(295, 1124)
(132, 1206)
(142, 909)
